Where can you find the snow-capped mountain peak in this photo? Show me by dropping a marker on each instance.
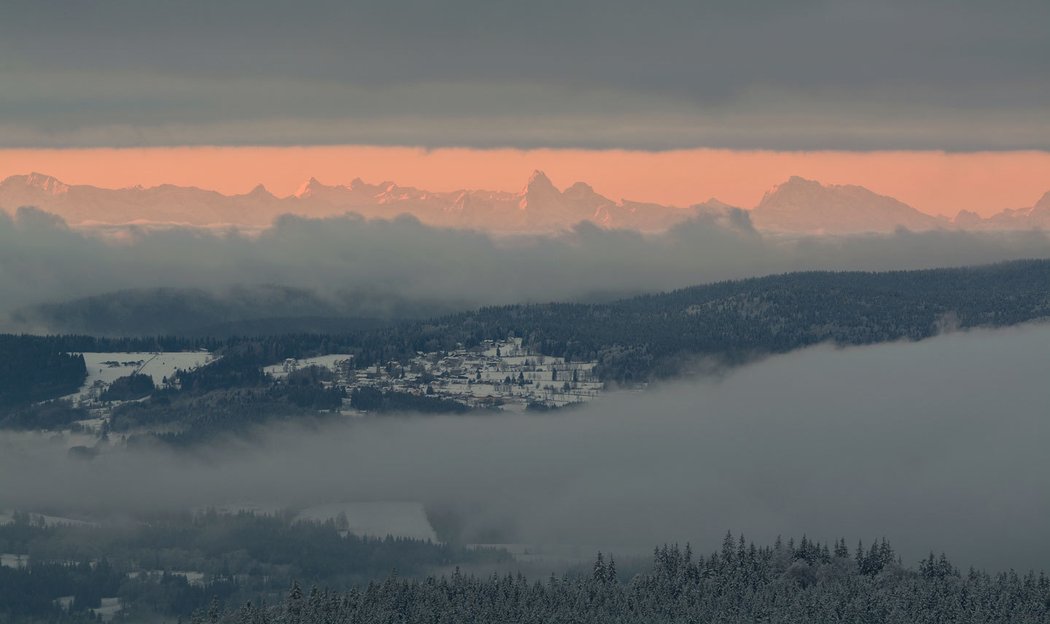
(309, 188)
(1044, 202)
(807, 206)
(539, 183)
(39, 182)
(798, 205)
(259, 191)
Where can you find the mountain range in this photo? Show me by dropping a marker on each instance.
(797, 206)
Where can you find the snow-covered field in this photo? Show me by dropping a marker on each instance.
(104, 368)
(377, 519)
(8, 560)
(108, 609)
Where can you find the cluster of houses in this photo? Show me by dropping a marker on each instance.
(498, 374)
(501, 374)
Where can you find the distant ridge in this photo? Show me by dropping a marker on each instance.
(807, 206)
(797, 206)
(538, 207)
(1036, 216)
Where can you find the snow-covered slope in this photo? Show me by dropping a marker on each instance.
(807, 206)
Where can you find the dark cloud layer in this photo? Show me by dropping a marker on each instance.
(934, 445)
(372, 263)
(798, 75)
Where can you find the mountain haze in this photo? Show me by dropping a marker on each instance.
(797, 206)
(809, 207)
(1036, 216)
(538, 207)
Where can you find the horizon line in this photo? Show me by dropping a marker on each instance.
(934, 182)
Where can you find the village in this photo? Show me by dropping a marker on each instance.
(498, 374)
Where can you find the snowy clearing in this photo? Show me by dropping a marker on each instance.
(377, 519)
(104, 368)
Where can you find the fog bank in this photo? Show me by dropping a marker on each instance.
(361, 266)
(935, 445)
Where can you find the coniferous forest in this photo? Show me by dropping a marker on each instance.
(33, 369)
(270, 570)
(785, 583)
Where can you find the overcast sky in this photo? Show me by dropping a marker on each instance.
(594, 73)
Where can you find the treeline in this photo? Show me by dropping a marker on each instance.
(129, 388)
(240, 557)
(52, 415)
(35, 369)
(231, 395)
(99, 344)
(245, 559)
(785, 583)
(662, 335)
(375, 400)
(33, 592)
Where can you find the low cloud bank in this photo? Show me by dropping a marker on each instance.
(362, 266)
(935, 445)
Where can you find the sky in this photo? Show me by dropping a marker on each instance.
(942, 104)
(936, 182)
(914, 442)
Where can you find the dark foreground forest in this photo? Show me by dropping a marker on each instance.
(785, 583)
(264, 570)
(148, 563)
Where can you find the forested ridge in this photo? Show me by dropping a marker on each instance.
(230, 395)
(240, 556)
(633, 340)
(271, 570)
(33, 369)
(791, 583)
(660, 335)
(654, 335)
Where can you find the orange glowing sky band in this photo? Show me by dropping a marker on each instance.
(934, 182)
